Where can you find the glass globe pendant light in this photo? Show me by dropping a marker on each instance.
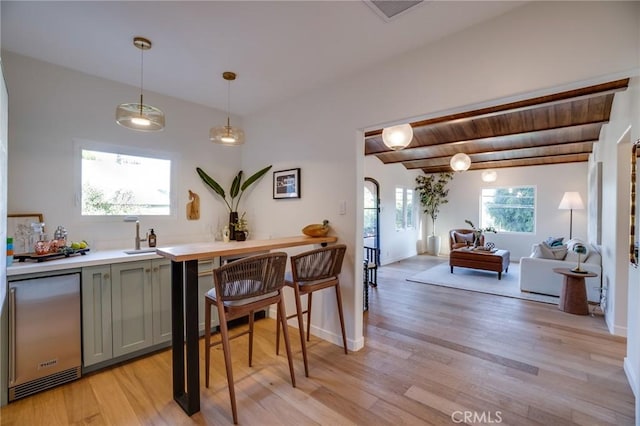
(138, 116)
(397, 137)
(227, 135)
(460, 162)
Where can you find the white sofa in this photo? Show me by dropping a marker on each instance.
(537, 276)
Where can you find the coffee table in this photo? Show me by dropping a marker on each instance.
(494, 260)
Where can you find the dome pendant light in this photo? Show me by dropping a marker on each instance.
(397, 137)
(138, 116)
(227, 135)
(460, 162)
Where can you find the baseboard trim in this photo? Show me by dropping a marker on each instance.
(632, 377)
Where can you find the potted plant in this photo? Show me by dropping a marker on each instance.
(433, 193)
(477, 232)
(235, 192)
(241, 228)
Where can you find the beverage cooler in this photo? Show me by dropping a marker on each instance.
(44, 332)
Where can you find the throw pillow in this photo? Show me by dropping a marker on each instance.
(548, 252)
(463, 238)
(554, 241)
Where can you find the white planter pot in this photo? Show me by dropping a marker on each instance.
(433, 244)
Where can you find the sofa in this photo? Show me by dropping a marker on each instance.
(536, 271)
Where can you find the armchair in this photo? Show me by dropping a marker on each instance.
(462, 237)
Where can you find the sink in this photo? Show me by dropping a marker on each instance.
(144, 250)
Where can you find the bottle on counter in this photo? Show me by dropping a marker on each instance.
(61, 236)
(152, 238)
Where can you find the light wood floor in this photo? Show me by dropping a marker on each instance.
(431, 353)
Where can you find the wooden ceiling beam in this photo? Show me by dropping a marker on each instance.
(525, 162)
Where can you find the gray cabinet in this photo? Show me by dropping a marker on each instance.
(97, 342)
(131, 307)
(126, 307)
(161, 299)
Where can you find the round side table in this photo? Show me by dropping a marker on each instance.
(573, 297)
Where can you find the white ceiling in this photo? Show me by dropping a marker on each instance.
(279, 49)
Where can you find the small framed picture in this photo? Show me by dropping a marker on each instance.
(286, 183)
(19, 228)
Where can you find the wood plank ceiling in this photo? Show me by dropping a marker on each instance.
(552, 129)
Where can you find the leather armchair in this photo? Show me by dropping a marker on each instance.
(462, 237)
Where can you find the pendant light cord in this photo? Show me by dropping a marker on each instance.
(141, 78)
(228, 102)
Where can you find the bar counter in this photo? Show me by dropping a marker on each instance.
(184, 303)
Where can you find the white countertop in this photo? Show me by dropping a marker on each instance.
(90, 258)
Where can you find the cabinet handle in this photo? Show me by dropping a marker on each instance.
(147, 270)
(106, 276)
(155, 269)
(12, 335)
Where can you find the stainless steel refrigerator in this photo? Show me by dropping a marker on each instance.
(44, 332)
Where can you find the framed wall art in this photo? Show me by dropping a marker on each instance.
(286, 184)
(19, 227)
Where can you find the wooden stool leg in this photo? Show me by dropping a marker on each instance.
(301, 329)
(309, 315)
(207, 339)
(287, 342)
(344, 336)
(224, 331)
(250, 337)
(278, 332)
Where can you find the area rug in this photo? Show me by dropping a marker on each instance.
(479, 281)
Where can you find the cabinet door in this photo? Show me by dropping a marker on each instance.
(161, 285)
(96, 315)
(131, 306)
(205, 283)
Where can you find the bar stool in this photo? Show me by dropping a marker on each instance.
(240, 288)
(312, 271)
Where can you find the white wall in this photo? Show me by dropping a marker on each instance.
(50, 106)
(395, 245)
(3, 234)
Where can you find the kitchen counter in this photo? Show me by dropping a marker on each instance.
(90, 258)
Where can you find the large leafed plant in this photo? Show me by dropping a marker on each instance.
(232, 198)
(433, 193)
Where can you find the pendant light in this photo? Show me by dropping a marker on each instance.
(397, 137)
(460, 162)
(138, 116)
(227, 135)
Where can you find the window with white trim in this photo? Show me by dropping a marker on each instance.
(509, 209)
(116, 181)
(404, 208)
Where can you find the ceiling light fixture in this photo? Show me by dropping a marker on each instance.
(460, 162)
(227, 135)
(489, 176)
(138, 116)
(397, 137)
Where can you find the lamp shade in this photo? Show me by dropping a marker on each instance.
(138, 116)
(489, 176)
(397, 137)
(460, 162)
(141, 117)
(571, 201)
(227, 134)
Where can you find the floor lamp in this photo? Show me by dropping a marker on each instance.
(571, 201)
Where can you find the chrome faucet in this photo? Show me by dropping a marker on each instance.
(138, 239)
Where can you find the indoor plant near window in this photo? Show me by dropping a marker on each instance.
(235, 192)
(433, 193)
(477, 232)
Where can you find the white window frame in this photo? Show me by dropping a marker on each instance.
(406, 224)
(83, 144)
(535, 208)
